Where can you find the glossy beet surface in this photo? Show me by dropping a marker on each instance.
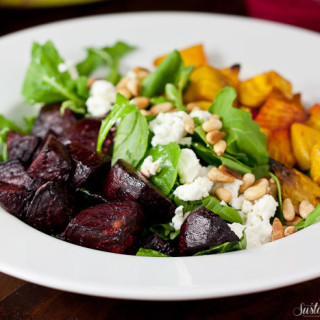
(50, 119)
(53, 162)
(124, 182)
(201, 230)
(155, 242)
(21, 146)
(114, 227)
(50, 209)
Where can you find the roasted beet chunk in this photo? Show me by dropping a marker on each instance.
(21, 146)
(13, 172)
(113, 227)
(53, 162)
(89, 167)
(50, 119)
(155, 242)
(84, 199)
(14, 199)
(85, 132)
(202, 230)
(124, 182)
(50, 209)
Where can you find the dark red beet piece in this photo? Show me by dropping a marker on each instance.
(201, 230)
(124, 182)
(155, 242)
(50, 209)
(85, 132)
(14, 172)
(14, 199)
(84, 199)
(52, 164)
(89, 167)
(50, 119)
(114, 227)
(21, 146)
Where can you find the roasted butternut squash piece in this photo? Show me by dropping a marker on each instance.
(278, 114)
(315, 163)
(279, 147)
(203, 104)
(254, 92)
(192, 56)
(314, 120)
(232, 75)
(303, 139)
(295, 185)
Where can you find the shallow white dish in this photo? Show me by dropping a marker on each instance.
(259, 46)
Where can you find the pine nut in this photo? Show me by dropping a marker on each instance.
(141, 102)
(214, 117)
(289, 231)
(220, 147)
(134, 86)
(277, 230)
(295, 220)
(188, 124)
(223, 194)
(192, 107)
(214, 136)
(173, 110)
(211, 125)
(273, 187)
(161, 107)
(145, 112)
(141, 73)
(217, 175)
(255, 192)
(248, 180)
(123, 83)
(233, 172)
(125, 92)
(305, 208)
(263, 182)
(91, 81)
(288, 210)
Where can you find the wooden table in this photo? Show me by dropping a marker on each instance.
(23, 300)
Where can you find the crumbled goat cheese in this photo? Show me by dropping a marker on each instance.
(169, 127)
(102, 96)
(149, 167)
(131, 75)
(196, 190)
(70, 67)
(237, 228)
(189, 166)
(236, 201)
(179, 218)
(200, 114)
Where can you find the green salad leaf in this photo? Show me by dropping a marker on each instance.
(312, 218)
(165, 231)
(44, 83)
(109, 56)
(187, 205)
(150, 253)
(225, 212)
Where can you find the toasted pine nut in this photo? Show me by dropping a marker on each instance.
(134, 86)
(145, 112)
(125, 92)
(233, 172)
(173, 110)
(289, 231)
(141, 102)
(305, 208)
(217, 175)
(141, 73)
(123, 83)
(214, 117)
(295, 220)
(161, 107)
(211, 125)
(91, 81)
(277, 230)
(248, 180)
(288, 210)
(188, 124)
(263, 181)
(214, 136)
(255, 192)
(192, 107)
(273, 187)
(220, 147)
(223, 194)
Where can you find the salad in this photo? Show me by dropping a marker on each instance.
(182, 160)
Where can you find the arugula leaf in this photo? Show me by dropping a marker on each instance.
(150, 253)
(131, 139)
(45, 84)
(165, 231)
(312, 218)
(226, 247)
(158, 100)
(167, 72)
(29, 122)
(278, 188)
(109, 56)
(187, 205)
(243, 135)
(169, 156)
(225, 212)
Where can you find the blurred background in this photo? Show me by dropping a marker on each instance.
(20, 14)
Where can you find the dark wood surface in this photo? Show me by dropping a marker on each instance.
(23, 300)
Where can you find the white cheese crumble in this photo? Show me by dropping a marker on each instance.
(237, 228)
(169, 127)
(69, 66)
(196, 190)
(179, 218)
(236, 201)
(189, 166)
(200, 114)
(149, 167)
(102, 96)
